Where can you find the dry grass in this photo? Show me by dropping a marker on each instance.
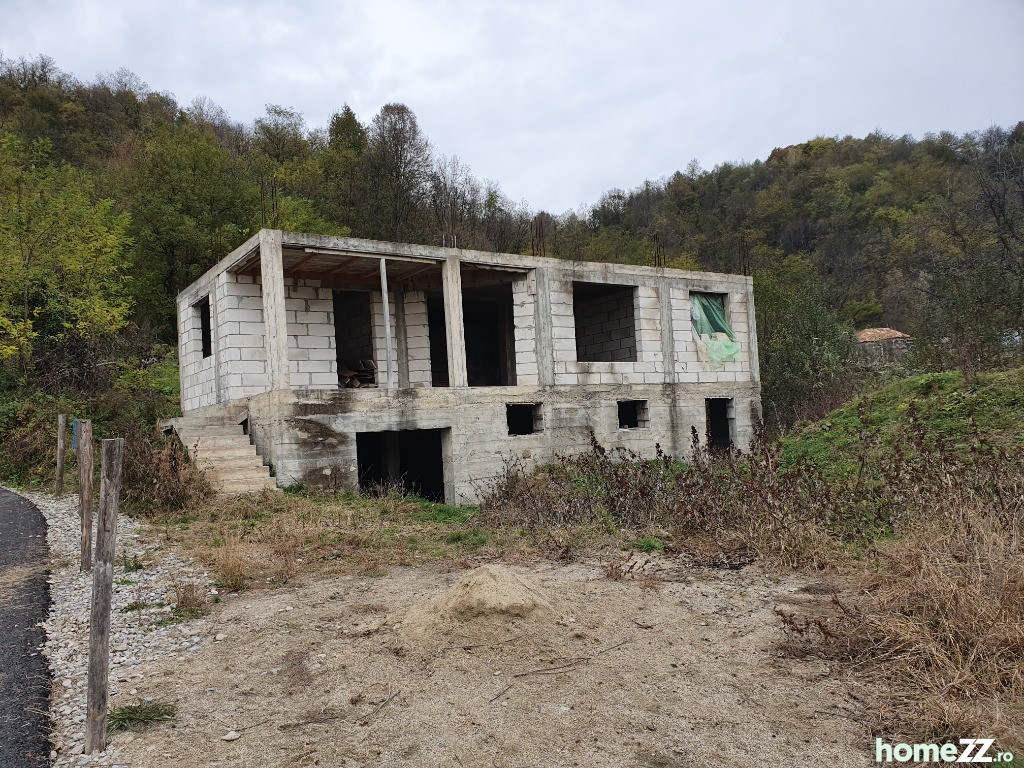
(270, 538)
(928, 546)
(938, 617)
(189, 599)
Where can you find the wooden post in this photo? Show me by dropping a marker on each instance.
(84, 452)
(102, 587)
(62, 423)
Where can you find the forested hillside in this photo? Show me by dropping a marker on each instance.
(113, 197)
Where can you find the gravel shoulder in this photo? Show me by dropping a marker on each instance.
(24, 599)
(142, 630)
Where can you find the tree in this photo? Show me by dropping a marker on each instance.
(803, 347)
(64, 276)
(191, 202)
(398, 164)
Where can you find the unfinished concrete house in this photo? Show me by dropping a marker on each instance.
(346, 363)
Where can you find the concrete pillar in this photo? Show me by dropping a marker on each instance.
(542, 330)
(451, 281)
(668, 346)
(274, 319)
(755, 368)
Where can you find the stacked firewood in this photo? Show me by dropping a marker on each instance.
(362, 375)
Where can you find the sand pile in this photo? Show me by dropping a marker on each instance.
(485, 600)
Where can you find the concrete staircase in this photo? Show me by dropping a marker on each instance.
(224, 453)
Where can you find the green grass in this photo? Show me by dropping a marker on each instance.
(649, 544)
(470, 537)
(179, 614)
(135, 716)
(948, 406)
(447, 514)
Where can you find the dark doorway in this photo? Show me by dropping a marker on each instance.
(411, 459)
(353, 338)
(490, 345)
(438, 340)
(719, 432)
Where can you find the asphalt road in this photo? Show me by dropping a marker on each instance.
(24, 600)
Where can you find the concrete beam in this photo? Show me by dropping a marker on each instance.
(451, 282)
(274, 318)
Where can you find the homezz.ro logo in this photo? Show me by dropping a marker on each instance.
(968, 751)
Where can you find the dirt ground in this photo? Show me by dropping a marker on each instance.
(681, 669)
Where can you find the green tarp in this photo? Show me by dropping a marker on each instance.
(712, 333)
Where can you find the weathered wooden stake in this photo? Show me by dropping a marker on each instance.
(84, 451)
(62, 423)
(102, 587)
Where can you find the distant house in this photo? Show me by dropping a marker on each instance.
(881, 347)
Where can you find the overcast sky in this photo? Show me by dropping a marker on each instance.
(561, 101)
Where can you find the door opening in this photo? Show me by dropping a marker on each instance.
(719, 427)
(410, 459)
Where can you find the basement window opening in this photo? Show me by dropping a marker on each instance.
(523, 418)
(605, 318)
(633, 414)
(205, 326)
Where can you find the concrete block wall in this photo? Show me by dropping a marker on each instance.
(645, 318)
(417, 339)
(237, 367)
(240, 333)
(606, 326)
(524, 324)
(198, 374)
(312, 355)
(563, 332)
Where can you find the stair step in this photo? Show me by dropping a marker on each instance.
(213, 430)
(249, 471)
(215, 441)
(243, 486)
(207, 463)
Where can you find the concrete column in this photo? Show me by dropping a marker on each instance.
(451, 281)
(668, 346)
(274, 319)
(755, 368)
(542, 329)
